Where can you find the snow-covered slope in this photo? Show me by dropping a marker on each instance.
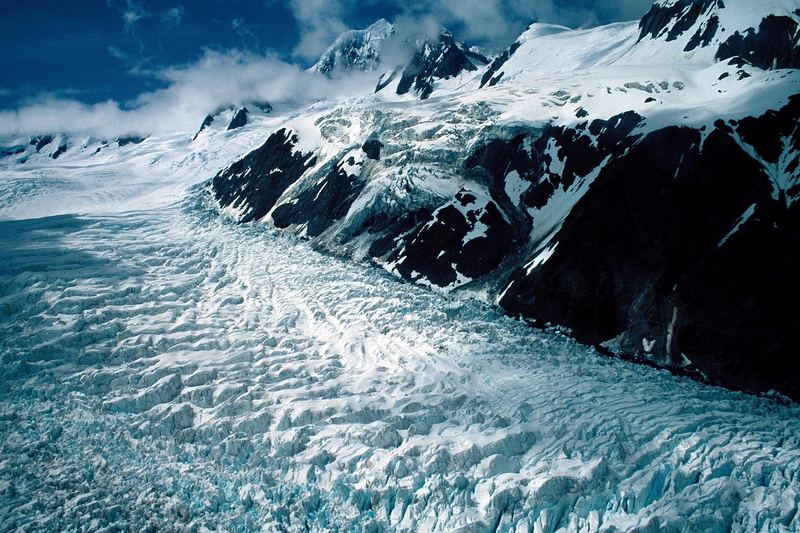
(170, 359)
(614, 181)
(601, 179)
(165, 368)
(355, 50)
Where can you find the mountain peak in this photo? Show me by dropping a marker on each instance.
(442, 58)
(355, 49)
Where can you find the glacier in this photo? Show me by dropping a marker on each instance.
(167, 369)
(624, 155)
(209, 330)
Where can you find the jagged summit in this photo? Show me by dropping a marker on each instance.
(424, 60)
(358, 50)
(433, 59)
(235, 116)
(239, 120)
(440, 59)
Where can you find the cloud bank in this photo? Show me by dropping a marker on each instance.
(191, 92)
(492, 24)
(234, 77)
(320, 22)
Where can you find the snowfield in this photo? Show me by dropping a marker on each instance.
(166, 368)
(171, 370)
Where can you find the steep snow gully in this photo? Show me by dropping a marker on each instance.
(172, 370)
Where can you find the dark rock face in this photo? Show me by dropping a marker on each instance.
(553, 160)
(385, 79)
(437, 60)
(60, 150)
(254, 183)
(7, 151)
(768, 133)
(207, 122)
(774, 45)
(491, 162)
(493, 74)
(41, 141)
(474, 236)
(581, 150)
(683, 253)
(746, 292)
(319, 206)
(265, 107)
(130, 139)
(467, 237)
(673, 20)
(702, 37)
(239, 119)
(373, 149)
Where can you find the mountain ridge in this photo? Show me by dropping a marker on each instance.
(473, 238)
(512, 182)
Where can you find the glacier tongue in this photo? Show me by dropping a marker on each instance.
(167, 369)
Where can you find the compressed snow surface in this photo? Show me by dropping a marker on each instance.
(165, 367)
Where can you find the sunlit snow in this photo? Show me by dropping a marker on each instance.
(163, 366)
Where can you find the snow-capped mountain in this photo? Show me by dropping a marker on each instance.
(358, 50)
(618, 182)
(428, 60)
(614, 181)
(233, 116)
(437, 59)
(175, 354)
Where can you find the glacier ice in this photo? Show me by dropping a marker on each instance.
(164, 368)
(167, 369)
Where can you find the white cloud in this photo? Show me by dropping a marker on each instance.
(234, 77)
(218, 78)
(472, 20)
(490, 23)
(319, 22)
(173, 16)
(133, 13)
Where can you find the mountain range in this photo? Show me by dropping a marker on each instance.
(634, 185)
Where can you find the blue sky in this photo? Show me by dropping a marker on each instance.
(93, 50)
(85, 65)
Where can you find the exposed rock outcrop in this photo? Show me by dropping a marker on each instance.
(239, 120)
(440, 59)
